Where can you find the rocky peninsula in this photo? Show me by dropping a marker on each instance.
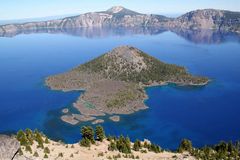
(114, 82)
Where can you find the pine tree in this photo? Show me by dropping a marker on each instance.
(46, 140)
(100, 133)
(20, 134)
(154, 148)
(22, 138)
(185, 145)
(29, 135)
(124, 145)
(112, 146)
(137, 145)
(39, 139)
(88, 133)
(145, 144)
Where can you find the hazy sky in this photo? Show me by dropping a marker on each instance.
(18, 9)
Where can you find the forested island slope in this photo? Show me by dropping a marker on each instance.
(114, 82)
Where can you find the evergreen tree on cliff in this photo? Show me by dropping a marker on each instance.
(100, 133)
(88, 133)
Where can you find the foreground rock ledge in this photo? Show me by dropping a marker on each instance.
(98, 151)
(114, 82)
(8, 147)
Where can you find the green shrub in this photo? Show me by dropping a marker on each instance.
(124, 145)
(143, 151)
(46, 140)
(100, 154)
(112, 146)
(137, 145)
(85, 142)
(117, 156)
(154, 148)
(35, 154)
(145, 144)
(28, 149)
(46, 150)
(110, 138)
(60, 154)
(45, 156)
(40, 145)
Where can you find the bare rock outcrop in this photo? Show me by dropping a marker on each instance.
(8, 147)
(209, 19)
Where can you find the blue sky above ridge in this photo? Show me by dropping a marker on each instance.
(16, 9)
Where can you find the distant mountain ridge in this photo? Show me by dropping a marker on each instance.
(210, 19)
(119, 16)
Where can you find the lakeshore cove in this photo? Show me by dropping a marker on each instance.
(204, 114)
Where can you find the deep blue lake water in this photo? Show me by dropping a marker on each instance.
(205, 115)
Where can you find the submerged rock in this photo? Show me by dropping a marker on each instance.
(98, 121)
(83, 118)
(115, 118)
(65, 110)
(69, 119)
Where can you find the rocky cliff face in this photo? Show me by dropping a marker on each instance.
(209, 19)
(116, 16)
(8, 147)
(119, 16)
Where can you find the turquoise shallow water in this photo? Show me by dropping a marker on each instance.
(206, 115)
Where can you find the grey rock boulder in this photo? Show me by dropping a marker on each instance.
(8, 147)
